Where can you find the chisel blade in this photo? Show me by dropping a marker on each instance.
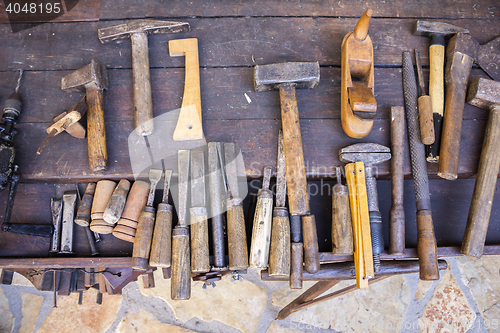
(197, 179)
(280, 173)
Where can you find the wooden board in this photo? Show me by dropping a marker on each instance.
(319, 8)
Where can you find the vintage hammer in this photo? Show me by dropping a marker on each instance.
(138, 32)
(437, 31)
(92, 79)
(485, 94)
(287, 77)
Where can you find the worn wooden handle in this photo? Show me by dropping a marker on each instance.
(98, 153)
(161, 246)
(458, 68)
(236, 236)
(296, 181)
(181, 266)
(342, 237)
(261, 232)
(279, 255)
(83, 214)
(397, 212)
(361, 29)
(427, 246)
(310, 240)
(296, 266)
(143, 237)
(127, 224)
(116, 203)
(104, 190)
(484, 189)
(200, 262)
(436, 92)
(426, 120)
(143, 103)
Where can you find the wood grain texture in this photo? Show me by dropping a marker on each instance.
(126, 226)
(236, 236)
(342, 237)
(103, 192)
(96, 131)
(161, 247)
(261, 231)
(296, 267)
(200, 262)
(279, 253)
(438, 9)
(143, 238)
(181, 265)
(116, 203)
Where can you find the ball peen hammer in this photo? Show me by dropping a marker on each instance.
(138, 32)
(92, 79)
(437, 31)
(485, 94)
(287, 77)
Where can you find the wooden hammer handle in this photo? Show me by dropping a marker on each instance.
(296, 181)
(427, 246)
(484, 190)
(436, 92)
(98, 154)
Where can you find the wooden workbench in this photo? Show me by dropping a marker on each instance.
(233, 37)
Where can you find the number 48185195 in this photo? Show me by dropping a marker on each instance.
(33, 8)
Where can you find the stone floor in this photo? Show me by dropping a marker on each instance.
(466, 298)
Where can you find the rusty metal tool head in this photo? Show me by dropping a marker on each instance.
(302, 75)
(484, 93)
(488, 58)
(368, 153)
(138, 32)
(434, 29)
(92, 75)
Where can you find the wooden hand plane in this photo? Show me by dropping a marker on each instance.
(359, 106)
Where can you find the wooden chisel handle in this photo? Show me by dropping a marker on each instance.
(342, 237)
(296, 266)
(397, 211)
(200, 262)
(436, 92)
(261, 232)
(484, 189)
(236, 236)
(98, 154)
(279, 254)
(298, 198)
(426, 119)
(310, 240)
(426, 246)
(143, 237)
(161, 247)
(181, 264)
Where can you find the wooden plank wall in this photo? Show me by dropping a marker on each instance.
(233, 37)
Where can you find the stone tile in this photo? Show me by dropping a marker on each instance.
(20, 280)
(6, 317)
(88, 317)
(145, 321)
(276, 328)
(31, 309)
(448, 309)
(423, 288)
(237, 304)
(482, 278)
(380, 308)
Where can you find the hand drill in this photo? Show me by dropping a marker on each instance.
(8, 169)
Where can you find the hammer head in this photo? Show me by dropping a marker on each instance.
(91, 75)
(484, 93)
(368, 153)
(427, 28)
(463, 43)
(149, 27)
(303, 75)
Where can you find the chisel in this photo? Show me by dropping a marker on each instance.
(144, 234)
(262, 222)
(69, 202)
(217, 200)
(236, 233)
(56, 209)
(161, 248)
(200, 262)
(83, 214)
(279, 256)
(181, 261)
(342, 237)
